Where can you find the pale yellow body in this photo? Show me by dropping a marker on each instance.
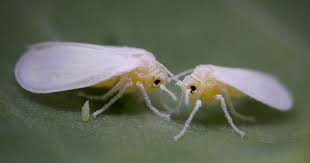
(209, 94)
(207, 87)
(148, 76)
(139, 74)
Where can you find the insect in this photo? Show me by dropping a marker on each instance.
(59, 66)
(210, 83)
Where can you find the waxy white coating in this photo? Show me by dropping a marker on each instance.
(60, 66)
(258, 85)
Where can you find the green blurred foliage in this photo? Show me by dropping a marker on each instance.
(271, 36)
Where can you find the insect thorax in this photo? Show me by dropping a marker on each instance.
(148, 71)
(204, 82)
(209, 87)
(147, 74)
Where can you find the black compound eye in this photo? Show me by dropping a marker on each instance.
(193, 89)
(156, 82)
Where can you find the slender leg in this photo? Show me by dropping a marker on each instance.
(116, 88)
(113, 100)
(165, 106)
(234, 112)
(186, 97)
(180, 103)
(172, 95)
(238, 115)
(170, 109)
(148, 103)
(229, 119)
(189, 120)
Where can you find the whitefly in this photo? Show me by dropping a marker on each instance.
(60, 66)
(215, 84)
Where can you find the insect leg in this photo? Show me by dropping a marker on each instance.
(164, 105)
(172, 95)
(148, 102)
(229, 119)
(113, 100)
(189, 120)
(233, 110)
(180, 102)
(178, 106)
(116, 88)
(186, 97)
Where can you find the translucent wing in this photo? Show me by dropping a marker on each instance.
(57, 66)
(258, 85)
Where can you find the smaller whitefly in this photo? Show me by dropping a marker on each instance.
(85, 112)
(216, 84)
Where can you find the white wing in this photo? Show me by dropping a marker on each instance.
(58, 66)
(258, 85)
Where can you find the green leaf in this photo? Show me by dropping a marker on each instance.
(264, 35)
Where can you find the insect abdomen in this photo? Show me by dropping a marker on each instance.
(209, 94)
(108, 83)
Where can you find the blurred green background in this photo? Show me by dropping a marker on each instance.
(268, 35)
